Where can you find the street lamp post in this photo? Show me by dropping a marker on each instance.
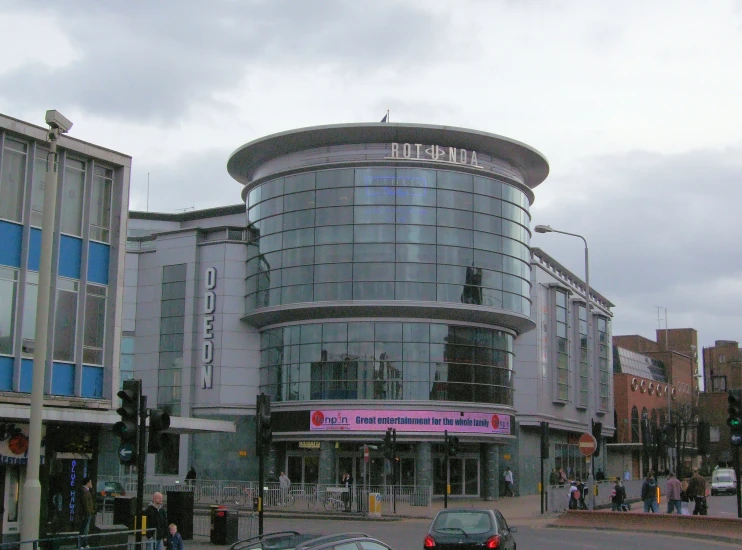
(58, 125)
(590, 374)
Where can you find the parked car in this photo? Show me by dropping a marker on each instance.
(469, 529)
(108, 489)
(293, 540)
(723, 480)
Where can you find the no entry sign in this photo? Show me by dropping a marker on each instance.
(587, 444)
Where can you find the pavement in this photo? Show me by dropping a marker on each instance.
(525, 511)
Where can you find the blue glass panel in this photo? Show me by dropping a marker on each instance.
(34, 251)
(98, 257)
(6, 373)
(92, 381)
(10, 237)
(70, 254)
(26, 375)
(63, 379)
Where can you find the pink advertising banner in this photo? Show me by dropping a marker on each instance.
(408, 421)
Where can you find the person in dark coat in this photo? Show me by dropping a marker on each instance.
(191, 477)
(88, 506)
(157, 520)
(174, 540)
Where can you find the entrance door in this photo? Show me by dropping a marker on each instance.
(302, 469)
(462, 476)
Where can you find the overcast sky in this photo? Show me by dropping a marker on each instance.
(636, 105)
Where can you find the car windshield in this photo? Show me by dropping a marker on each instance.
(470, 523)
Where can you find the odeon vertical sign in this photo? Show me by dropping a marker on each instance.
(207, 348)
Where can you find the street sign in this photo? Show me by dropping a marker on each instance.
(365, 453)
(126, 453)
(587, 444)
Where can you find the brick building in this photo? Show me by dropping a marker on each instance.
(722, 372)
(653, 380)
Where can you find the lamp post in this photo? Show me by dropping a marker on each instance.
(58, 125)
(590, 374)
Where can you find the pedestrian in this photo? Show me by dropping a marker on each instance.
(284, 484)
(673, 490)
(509, 482)
(599, 475)
(697, 491)
(574, 496)
(88, 507)
(649, 494)
(174, 540)
(626, 475)
(582, 491)
(191, 477)
(562, 477)
(157, 526)
(347, 483)
(618, 496)
(553, 477)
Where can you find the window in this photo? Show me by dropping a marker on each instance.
(583, 382)
(65, 320)
(95, 322)
(719, 383)
(100, 204)
(29, 313)
(603, 364)
(8, 286)
(73, 188)
(562, 347)
(37, 186)
(634, 424)
(12, 180)
(172, 322)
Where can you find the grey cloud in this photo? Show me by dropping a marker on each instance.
(152, 60)
(199, 180)
(662, 230)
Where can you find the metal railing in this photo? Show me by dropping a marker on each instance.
(113, 540)
(408, 500)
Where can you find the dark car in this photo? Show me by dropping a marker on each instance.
(293, 540)
(469, 529)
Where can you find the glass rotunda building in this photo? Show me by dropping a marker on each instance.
(388, 276)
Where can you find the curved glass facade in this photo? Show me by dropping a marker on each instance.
(387, 360)
(389, 234)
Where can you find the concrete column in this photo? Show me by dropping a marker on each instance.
(326, 463)
(492, 471)
(424, 464)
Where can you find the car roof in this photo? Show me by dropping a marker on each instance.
(285, 540)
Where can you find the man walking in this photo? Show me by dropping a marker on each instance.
(649, 494)
(284, 483)
(618, 496)
(88, 507)
(673, 490)
(157, 520)
(509, 482)
(697, 491)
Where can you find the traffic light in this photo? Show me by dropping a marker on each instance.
(544, 440)
(735, 416)
(453, 445)
(703, 437)
(126, 428)
(387, 448)
(598, 435)
(264, 430)
(159, 421)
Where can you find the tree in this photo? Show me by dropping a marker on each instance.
(684, 411)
